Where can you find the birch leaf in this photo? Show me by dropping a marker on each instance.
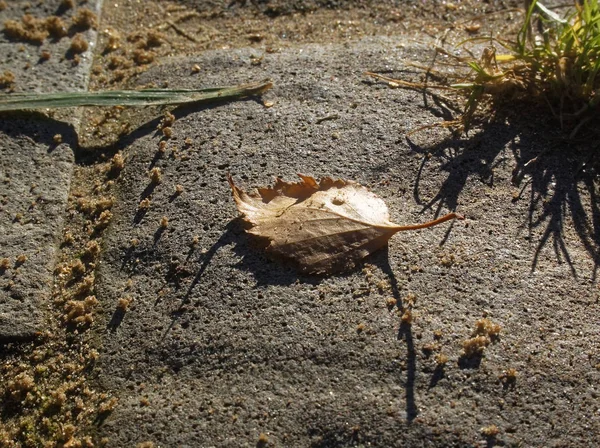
(320, 226)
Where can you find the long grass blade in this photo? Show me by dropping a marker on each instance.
(146, 97)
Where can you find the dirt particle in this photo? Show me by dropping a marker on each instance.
(94, 207)
(167, 132)
(103, 220)
(67, 4)
(486, 327)
(7, 79)
(77, 268)
(143, 57)
(255, 37)
(509, 376)
(441, 359)
(3, 5)
(80, 311)
(57, 138)
(123, 303)
(407, 318)
(490, 431)
(68, 238)
(107, 406)
(164, 222)
(56, 27)
(144, 204)
(117, 163)
(447, 260)
(20, 386)
(167, 120)
(113, 41)
(475, 346)
(263, 439)
(116, 61)
(178, 189)
(391, 302)
(472, 28)
(58, 398)
(4, 264)
(155, 175)
(20, 260)
(410, 299)
(147, 444)
(85, 19)
(78, 44)
(45, 55)
(154, 39)
(92, 248)
(162, 146)
(195, 68)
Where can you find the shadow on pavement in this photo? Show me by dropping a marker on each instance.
(553, 173)
(38, 127)
(91, 154)
(381, 259)
(267, 272)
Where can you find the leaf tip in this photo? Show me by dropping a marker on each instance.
(235, 191)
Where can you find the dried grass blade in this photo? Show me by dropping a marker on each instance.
(146, 97)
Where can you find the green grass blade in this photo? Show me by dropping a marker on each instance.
(551, 14)
(523, 34)
(147, 97)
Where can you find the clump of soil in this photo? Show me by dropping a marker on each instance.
(484, 334)
(29, 29)
(78, 44)
(7, 79)
(85, 19)
(36, 30)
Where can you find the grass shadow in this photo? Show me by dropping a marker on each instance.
(558, 178)
(87, 155)
(38, 127)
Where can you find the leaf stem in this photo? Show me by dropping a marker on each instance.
(435, 222)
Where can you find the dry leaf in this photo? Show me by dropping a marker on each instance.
(321, 226)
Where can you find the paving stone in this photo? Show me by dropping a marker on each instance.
(35, 169)
(35, 174)
(220, 344)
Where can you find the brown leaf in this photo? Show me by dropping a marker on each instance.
(321, 226)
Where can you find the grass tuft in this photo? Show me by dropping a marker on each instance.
(554, 61)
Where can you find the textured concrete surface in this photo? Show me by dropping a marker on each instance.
(35, 169)
(219, 344)
(35, 174)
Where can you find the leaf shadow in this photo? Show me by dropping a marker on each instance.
(265, 271)
(269, 272)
